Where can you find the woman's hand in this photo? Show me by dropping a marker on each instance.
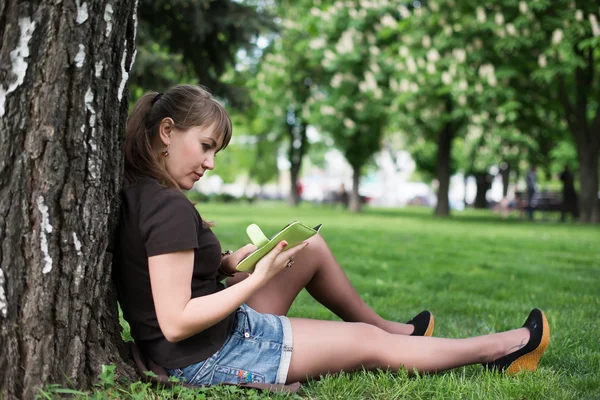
(229, 262)
(276, 260)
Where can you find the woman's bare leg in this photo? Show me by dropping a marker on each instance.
(317, 269)
(342, 346)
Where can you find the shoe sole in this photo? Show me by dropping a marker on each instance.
(529, 361)
(429, 331)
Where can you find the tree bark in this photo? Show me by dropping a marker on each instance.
(588, 177)
(443, 172)
(63, 105)
(355, 204)
(298, 144)
(505, 174)
(483, 181)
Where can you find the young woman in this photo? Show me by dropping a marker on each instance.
(168, 267)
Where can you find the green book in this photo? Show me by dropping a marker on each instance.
(294, 234)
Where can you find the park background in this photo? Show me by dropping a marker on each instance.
(443, 103)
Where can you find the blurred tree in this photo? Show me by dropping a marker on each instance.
(63, 106)
(349, 100)
(559, 45)
(282, 88)
(196, 41)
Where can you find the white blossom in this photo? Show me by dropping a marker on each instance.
(492, 80)
(542, 61)
(594, 23)
(346, 42)
(348, 123)
(499, 19)
(403, 10)
(433, 55)
(462, 100)
(500, 118)
(315, 12)
(557, 36)
(404, 85)
(578, 15)
(460, 55)
(317, 43)
(374, 50)
(479, 88)
(359, 106)
(336, 81)
(480, 15)
(434, 6)
(511, 30)
(411, 65)
(452, 70)
(327, 110)
(426, 41)
(447, 30)
(523, 7)
(388, 21)
(403, 51)
(501, 32)
(430, 68)
(375, 67)
(463, 85)
(446, 78)
(414, 87)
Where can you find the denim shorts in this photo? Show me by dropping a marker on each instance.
(257, 349)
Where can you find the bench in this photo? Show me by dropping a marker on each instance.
(541, 201)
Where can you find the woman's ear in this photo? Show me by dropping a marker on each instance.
(165, 129)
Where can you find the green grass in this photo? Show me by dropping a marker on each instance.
(476, 272)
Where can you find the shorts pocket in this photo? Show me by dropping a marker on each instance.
(223, 373)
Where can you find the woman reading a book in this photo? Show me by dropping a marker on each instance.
(169, 265)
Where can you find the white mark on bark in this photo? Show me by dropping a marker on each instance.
(132, 59)
(124, 74)
(3, 304)
(82, 128)
(82, 12)
(93, 160)
(80, 57)
(77, 244)
(108, 13)
(135, 21)
(79, 271)
(98, 68)
(17, 58)
(45, 227)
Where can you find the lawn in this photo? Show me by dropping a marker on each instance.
(476, 272)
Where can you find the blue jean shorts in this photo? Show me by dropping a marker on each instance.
(257, 349)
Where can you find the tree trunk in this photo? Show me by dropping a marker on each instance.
(482, 180)
(298, 144)
(443, 170)
(505, 173)
(588, 178)
(355, 204)
(64, 68)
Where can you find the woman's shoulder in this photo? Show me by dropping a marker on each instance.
(150, 194)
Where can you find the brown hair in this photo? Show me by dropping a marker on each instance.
(188, 106)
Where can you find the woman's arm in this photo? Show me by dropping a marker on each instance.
(179, 316)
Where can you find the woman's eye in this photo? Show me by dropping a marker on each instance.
(206, 147)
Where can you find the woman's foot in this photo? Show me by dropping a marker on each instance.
(423, 324)
(528, 356)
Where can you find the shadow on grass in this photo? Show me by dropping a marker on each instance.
(468, 216)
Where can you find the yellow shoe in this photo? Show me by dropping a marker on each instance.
(423, 323)
(528, 357)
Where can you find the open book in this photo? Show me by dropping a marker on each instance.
(294, 234)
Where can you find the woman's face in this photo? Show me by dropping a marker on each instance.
(191, 153)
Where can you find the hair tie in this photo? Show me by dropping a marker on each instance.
(157, 97)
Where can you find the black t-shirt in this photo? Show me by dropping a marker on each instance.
(157, 220)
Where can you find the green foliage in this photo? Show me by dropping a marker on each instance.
(183, 41)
